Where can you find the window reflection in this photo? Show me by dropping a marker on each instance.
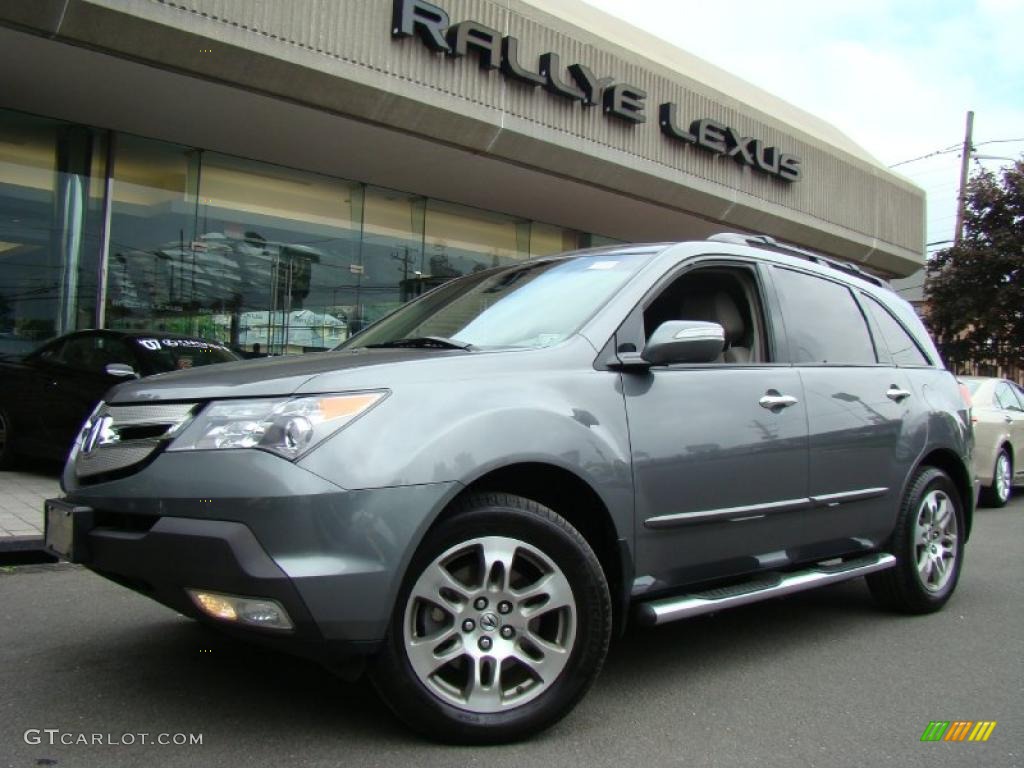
(267, 259)
(51, 194)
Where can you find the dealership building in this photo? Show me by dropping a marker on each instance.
(281, 173)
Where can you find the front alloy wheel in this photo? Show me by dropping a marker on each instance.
(490, 624)
(501, 626)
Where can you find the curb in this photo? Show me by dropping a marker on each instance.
(21, 543)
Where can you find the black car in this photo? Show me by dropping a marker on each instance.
(45, 396)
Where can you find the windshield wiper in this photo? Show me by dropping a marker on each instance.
(423, 342)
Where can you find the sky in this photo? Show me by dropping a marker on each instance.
(896, 77)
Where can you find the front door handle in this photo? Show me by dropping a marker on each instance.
(896, 394)
(773, 401)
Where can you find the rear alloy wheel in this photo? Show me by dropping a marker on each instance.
(502, 625)
(928, 544)
(1002, 482)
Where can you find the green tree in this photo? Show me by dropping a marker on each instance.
(975, 290)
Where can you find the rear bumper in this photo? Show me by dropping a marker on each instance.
(248, 523)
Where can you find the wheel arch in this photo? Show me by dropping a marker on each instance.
(577, 501)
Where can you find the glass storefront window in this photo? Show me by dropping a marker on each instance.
(287, 243)
(392, 255)
(267, 259)
(51, 209)
(459, 240)
(153, 277)
(547, 240)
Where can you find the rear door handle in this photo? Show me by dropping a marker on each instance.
(897, 394)
(773, 401)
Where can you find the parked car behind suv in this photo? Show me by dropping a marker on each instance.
(472, 495)
(998, 415)
(46, 395)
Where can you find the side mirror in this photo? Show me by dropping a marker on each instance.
(684, 341)
(121, 371)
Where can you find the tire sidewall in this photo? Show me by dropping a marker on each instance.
(929, 480)
(999, 500)
(417, 705)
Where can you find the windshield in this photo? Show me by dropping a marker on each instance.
(529, 306)
(172, 354)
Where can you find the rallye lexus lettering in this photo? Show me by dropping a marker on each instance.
(577, 82)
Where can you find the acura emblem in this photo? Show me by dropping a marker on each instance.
(99, 434)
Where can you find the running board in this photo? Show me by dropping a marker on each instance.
(762, 588)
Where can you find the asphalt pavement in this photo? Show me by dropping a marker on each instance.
(819, 679)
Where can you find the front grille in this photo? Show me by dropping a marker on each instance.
(118, 437)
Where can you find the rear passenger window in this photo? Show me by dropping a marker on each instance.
(902, 347)
(823, 322)
(1006, 398)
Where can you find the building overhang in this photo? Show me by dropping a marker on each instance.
(330, 87)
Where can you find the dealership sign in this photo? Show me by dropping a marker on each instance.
(579, 83)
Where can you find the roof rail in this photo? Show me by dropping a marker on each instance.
(764, 241)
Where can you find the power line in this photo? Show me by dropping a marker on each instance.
(945, 151)
(954, 148)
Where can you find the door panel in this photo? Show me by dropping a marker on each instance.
(719, 479)
(863, 444)
(1012, 404)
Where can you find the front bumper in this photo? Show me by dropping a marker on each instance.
(249, 523)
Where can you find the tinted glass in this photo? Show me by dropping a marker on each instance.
(823, 322)
(535, 305)
(171, 354)
(901, 345)
(91, 352)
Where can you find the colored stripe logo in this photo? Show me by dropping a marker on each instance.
(958, 730)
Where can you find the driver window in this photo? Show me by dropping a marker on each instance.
(722, 295)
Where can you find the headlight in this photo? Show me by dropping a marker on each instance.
(287, 426)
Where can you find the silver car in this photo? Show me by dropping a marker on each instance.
(998, 415)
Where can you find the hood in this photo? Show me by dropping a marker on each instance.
(265, 377)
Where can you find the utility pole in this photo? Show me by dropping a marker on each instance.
(965, 162)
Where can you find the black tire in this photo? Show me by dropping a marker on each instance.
(422, 703)
(904, 587)
(6, 438)
(994, 496)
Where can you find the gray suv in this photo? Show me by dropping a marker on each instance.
(472, 496)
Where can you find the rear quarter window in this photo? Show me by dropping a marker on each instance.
(902, 347)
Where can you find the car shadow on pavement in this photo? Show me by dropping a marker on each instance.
(259, 694)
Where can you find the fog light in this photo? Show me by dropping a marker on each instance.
(255, 611)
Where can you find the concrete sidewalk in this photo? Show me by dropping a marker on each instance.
(22, 494)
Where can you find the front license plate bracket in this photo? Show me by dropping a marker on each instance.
(67, 530)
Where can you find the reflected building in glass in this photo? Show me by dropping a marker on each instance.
(107, 229)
